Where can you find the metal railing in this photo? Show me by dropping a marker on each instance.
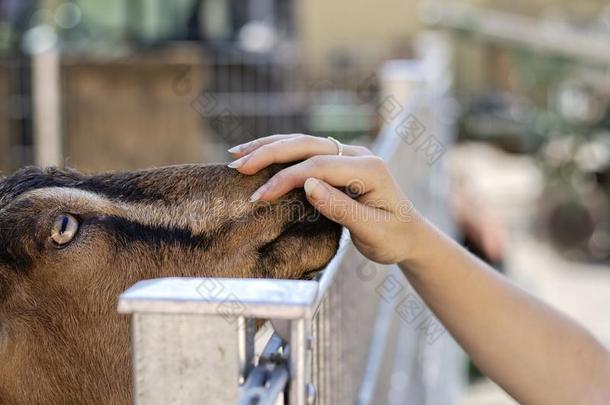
(360, 334)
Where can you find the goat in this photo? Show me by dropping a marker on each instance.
(70, 243)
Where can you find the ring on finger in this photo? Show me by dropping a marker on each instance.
(338, 144)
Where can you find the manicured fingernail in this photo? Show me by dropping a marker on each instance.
(314, 188)
(238, 163)
(258, 193)
(240, 148)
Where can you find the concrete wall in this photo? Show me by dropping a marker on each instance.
(134, 113)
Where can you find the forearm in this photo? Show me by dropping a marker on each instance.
(535, 353)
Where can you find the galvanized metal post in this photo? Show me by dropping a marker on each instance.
(245, 346)
(46, 101)
(298, 363)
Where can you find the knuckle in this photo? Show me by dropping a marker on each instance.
(273, 149)
(364, 150)
(282, 143)
(287, 178)
(264, 148)
(278, 178)
(317, 161)
(262, 151)
(279, 147)
(376, 163)
(304, 139)
(260, 156)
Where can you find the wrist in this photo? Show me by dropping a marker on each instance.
(419, 242)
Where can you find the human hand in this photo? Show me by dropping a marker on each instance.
(374, 209)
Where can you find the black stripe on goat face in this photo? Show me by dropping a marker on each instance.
(164, 188)
(127, 232)
(103, 228)
(168, 207)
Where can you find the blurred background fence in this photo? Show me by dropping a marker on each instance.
(148, 82)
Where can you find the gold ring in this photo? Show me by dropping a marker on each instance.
(338, 144)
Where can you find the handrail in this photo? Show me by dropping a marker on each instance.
(255, 298)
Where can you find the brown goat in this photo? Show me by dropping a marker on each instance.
(71, 243)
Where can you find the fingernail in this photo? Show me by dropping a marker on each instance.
(237, 163)
(240, 148)
(258, 193)
(314, 188)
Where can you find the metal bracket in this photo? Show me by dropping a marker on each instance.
(267, 382)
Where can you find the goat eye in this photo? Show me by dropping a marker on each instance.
(64, 229)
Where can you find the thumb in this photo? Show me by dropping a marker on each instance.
(337, 206)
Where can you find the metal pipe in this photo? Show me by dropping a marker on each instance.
(298, 363)
(47, 108)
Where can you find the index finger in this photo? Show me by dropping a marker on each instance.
(291, 149)
(338, 171)
(245, 148)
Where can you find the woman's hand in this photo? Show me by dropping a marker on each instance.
(373, 208)
(537, 354)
